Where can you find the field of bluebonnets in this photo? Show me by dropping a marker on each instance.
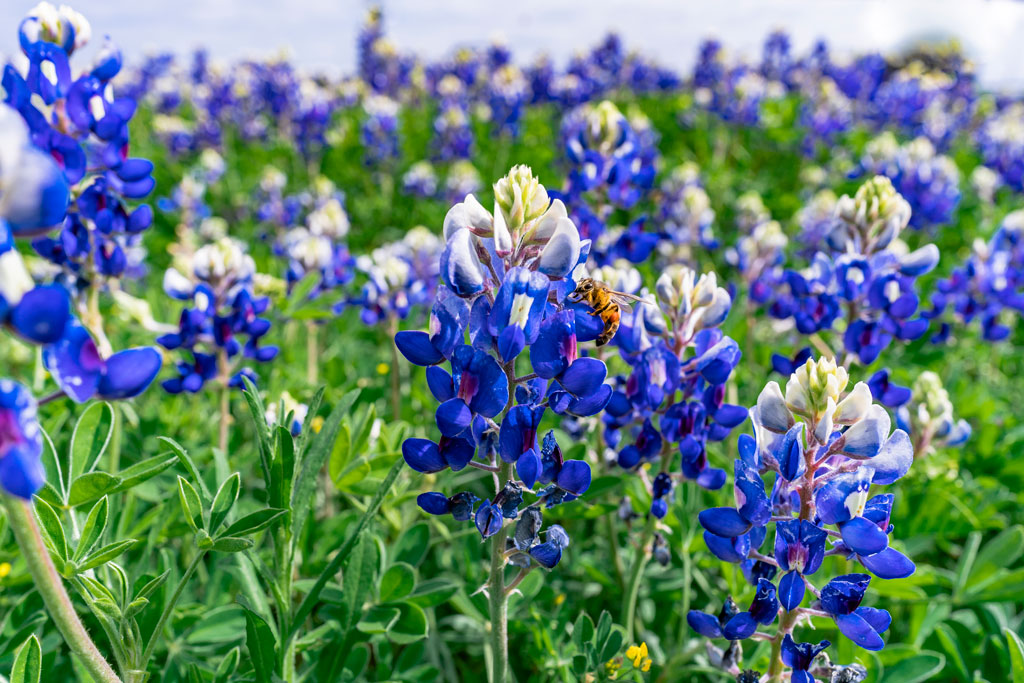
(304, 378)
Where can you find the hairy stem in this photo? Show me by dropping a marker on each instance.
(51, 588)
(497, 595)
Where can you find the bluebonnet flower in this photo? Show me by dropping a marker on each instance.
(816, 220)
(505, 279)
(924, 101)
(825, 447)
(1001, 143)
(453, 135)
(679, 363)
(610, 167)
(420, 180)
(80, 123)
(21, 441)
(929, 182)
(988, 287)
(379, 62)
(222, 323)
(399, 276)
(825, 113)
(870, 273)
(462, 179)
(887, 392)
(379, 131)
(928, 417)
(685, 216)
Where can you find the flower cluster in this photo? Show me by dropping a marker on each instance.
(399, 276)
(808, 469)
(988, 286)
(610, 167)
(506, 278)
(222, 323)
(685, 215)
(84, 126)
(672, 403)
(928, 417)
(1001, 139)
(379, 131)
(868, 271)
(929, 182)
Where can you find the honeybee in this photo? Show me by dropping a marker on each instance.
(606, 302)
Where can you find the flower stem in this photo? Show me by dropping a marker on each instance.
(497, 595)
(312, 353)
(169, 608)
(396, 386)
(51, 588)
(640, 560)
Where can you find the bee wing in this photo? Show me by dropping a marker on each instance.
(625, 300)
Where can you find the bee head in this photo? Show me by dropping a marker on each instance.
(584, 287)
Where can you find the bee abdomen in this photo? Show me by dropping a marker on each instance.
(610, 328)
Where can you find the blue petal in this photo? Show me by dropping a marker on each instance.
(440, 383)
(879, 619)
(547, 554)
(741, 626)
(488, 519)
(42, 314)
(511, 342)
(863, 536)
(893, 460)
(528, 467)
(453, 417)
(888, 564)
(705, 624)
(415, 345)
(574, 477)
(791, 590)
(857, 629)
(725, 522)
(129, 373)
(434, 503)
(584, 377)
(423, 455)
(21, 472)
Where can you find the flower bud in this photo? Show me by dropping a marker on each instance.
(876, 214)
(520, 197)
(813, 384)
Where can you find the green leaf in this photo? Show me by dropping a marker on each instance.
(378, 619)
(27, 662)
(999, 553)
(397, 582)
(49, 522)
(300, 293)
(92, 486)
(410, 626)
(915, 669)
(612, 646)
(948, 640)
(95, 524)
(106, 554)
(225, 499)
(433, 592)
(259, 416)
(1016, 648)
(230, 544)
(143, 471)
(412, 547)
(253, 522)
(306, 606)
(186, 461)
(227, 666)
(358, 579)
(190, 504)
(90, 438)
(259, 640)
(582, 631)
(604, 629)
(153, 584)
(313, 461)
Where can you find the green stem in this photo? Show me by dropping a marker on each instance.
(51, 588)
(220, 456)
(312, 353)
(169, 608)
(640, 560)
(396, 365)
(116, 646)
(497, 596)
(613, 548)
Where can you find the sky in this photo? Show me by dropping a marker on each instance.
(320, 34)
